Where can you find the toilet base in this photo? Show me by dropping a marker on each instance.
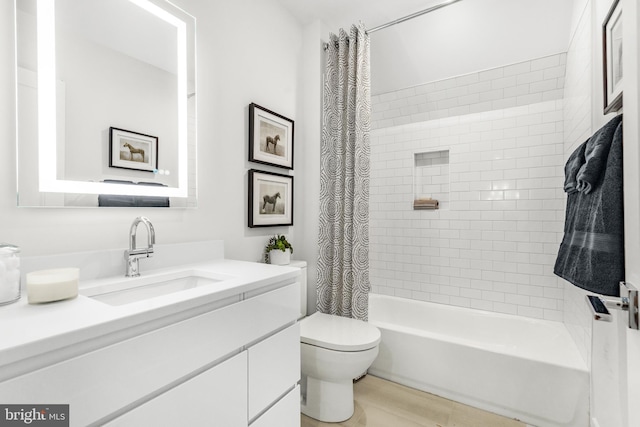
(328, 401)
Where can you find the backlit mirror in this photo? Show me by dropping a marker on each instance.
(105, 103)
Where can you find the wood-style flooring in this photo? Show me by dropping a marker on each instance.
(381, 403)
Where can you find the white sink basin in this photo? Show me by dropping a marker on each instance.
(129, 290)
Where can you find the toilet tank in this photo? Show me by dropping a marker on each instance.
(302, 265)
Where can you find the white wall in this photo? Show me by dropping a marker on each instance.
(240, 60)
(466, 37)
(308, 152)
(577, 120)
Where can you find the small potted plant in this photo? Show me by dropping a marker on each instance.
(278, 251)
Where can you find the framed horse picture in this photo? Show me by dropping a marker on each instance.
(270, 199)
(270, 138)
(132, 150)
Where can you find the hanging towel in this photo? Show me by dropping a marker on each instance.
(591, 254)
(575, 162)
(596, 151)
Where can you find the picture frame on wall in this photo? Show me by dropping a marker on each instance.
(612, 58)
(270, 137)
(132, 150)
(270, 199)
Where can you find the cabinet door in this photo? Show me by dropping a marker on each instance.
(216, 397)
(274, 368)
(285, 413)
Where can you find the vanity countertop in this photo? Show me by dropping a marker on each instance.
(27, 330)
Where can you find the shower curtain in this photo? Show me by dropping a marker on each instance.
(343, 260)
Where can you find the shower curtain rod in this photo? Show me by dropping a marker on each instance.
(413, 15)
(406, 18)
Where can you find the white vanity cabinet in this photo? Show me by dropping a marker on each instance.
(235, 365)
(216, 397)
(274, 364)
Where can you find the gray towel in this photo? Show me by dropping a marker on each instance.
(596, 152)
(575, 162)
(591, 254)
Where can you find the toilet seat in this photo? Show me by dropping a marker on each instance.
(338, 333)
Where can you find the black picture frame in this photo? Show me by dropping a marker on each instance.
(270, 199)
(612, 58)
(132, 150)
(270, 137)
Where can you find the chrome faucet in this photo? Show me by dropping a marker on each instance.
(133, 255)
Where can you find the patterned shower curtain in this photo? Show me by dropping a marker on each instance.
(343, 261)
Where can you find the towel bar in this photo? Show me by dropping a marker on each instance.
(600, 305)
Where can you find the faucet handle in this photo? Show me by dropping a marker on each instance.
(138, 253)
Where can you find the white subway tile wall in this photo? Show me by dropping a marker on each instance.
(515, 85)
(577, 128)
(494, 248)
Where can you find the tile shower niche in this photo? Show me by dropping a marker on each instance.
(431, 178)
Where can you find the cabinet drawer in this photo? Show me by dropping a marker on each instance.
(101, 382)
(217, 396)
(274, 367)
(285, 413)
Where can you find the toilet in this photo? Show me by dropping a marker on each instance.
(334, 350)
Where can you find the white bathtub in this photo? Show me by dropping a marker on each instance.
(521, 368)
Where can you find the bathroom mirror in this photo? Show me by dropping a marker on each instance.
(106, 110)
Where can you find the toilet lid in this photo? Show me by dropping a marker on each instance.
(338, 333)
